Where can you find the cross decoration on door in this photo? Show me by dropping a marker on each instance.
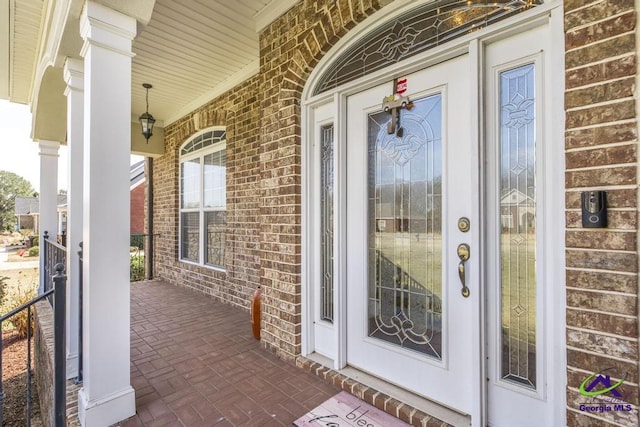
(392, 104)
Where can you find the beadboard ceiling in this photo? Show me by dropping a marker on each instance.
(194, 50)
(190, 51)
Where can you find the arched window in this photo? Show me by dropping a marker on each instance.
(203, 198)
(414, 32)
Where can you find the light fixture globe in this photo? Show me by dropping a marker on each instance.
(146, 119)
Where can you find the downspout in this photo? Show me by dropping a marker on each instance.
(149, 244)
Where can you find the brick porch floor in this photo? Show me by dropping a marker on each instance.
(194, 362)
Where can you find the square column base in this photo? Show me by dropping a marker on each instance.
(72, 365)
(106, 411)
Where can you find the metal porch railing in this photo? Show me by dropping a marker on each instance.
(141, 256)
(58, 291)
(53, 253)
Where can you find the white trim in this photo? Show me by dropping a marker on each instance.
(555, 119)
(108, 410)
(106, 28)
(476, 60)
(272, 11)
(73, 75)
(201, 209)
(340, 231)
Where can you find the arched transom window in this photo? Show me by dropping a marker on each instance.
(414, 32)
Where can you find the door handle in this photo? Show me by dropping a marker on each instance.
(464, 252)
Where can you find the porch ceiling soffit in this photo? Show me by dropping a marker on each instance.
(189, 51)
(194, 51)
(60, 38)
(19, 41)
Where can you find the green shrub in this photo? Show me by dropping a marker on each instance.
(36, 240)
(34, 251)
(136, 268)
(137, 240)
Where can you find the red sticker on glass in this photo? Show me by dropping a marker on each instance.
(401, 87)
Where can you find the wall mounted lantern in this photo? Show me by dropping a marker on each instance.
(146, 119)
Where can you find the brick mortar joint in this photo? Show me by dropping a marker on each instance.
(596, 22)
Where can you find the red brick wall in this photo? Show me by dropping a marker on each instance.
(601, 146)
(137, 209)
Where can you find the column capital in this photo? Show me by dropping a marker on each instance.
(48, 148)
(73, 75)
(106, 28)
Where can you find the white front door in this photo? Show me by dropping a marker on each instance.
(479, 142)
(407, 318)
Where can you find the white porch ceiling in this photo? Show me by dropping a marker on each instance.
(193, 50)
(190, 51)
(19, 47)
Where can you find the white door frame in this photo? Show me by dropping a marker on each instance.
(473, 44)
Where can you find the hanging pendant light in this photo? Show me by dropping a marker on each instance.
(146, 119)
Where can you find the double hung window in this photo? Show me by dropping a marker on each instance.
(203, 201)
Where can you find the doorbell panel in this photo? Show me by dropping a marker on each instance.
(594, 209)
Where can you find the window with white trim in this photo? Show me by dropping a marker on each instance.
(203, 198)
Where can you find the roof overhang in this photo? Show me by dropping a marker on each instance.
(190, 52)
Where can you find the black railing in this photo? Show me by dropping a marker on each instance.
(141, 257)
(58, 291)
(53, 253)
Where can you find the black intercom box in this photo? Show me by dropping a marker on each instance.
(594, 209)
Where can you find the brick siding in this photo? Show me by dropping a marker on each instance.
(601, 146)
(262, 118)
(263, 121)
(239, 111)
(137, 213)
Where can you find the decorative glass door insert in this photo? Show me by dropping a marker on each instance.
(407, 321)
(405, 228)
(518, 225)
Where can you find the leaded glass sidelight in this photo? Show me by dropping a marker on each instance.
(405, 228)
(518, 225)
(417, 31)
(326, 221)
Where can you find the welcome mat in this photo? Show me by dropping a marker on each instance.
(344, 409)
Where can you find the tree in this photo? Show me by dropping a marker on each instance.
(12, 185)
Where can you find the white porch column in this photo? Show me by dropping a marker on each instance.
(48, 197)
(74, 77)
(107, 396)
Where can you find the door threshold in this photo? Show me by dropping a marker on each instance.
(394, 400)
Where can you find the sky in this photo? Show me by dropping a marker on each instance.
(19, 153)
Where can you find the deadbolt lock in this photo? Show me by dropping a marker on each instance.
(464, 224)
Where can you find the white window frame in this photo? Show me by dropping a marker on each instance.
(201, 209)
